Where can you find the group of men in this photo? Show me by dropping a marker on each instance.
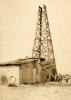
(58, 78)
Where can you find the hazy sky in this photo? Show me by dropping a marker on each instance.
(18, 24)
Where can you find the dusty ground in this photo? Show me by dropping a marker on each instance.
(28, 92)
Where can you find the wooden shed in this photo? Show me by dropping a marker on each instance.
(25, 71)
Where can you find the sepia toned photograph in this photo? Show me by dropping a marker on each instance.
(35, 50)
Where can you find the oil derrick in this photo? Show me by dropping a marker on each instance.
(43, 47)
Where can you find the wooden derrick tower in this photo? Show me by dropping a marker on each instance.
(43, 47)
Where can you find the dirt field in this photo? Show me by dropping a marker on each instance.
(41, 92)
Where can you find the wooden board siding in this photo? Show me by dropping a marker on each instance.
(30, 73)
(26, 73)
(34, 75)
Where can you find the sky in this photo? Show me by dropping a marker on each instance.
(18, 20)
